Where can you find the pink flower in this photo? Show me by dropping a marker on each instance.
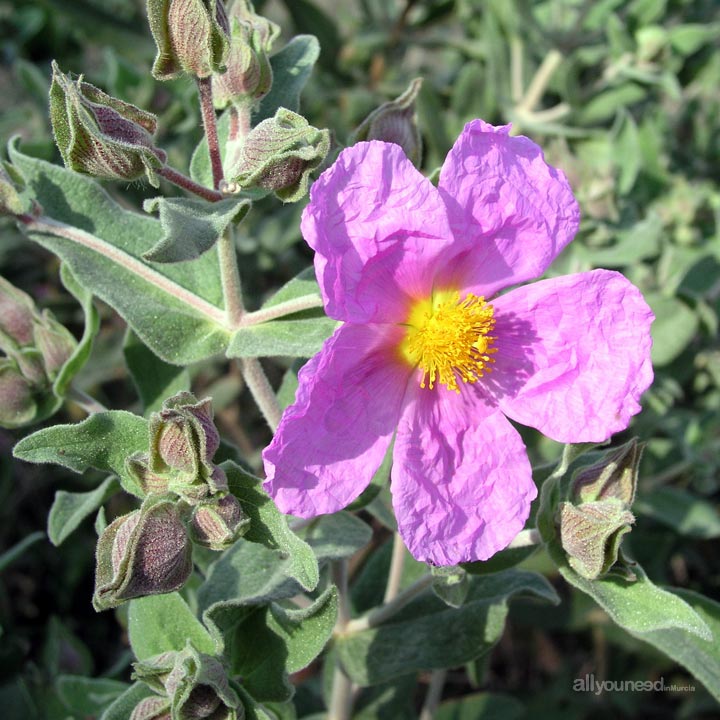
(431, 354)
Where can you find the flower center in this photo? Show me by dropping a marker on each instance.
(449, 340)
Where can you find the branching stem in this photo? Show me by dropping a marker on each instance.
(186, 183)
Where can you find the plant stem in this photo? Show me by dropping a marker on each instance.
(261, 390)
(186, 183)
(87, 403)
(341, 697)
(48, 226)
(434, 693)
(536, 88)
(230, 278)
(385, 612)
(289, 307)
(207, 109)
(397, 563)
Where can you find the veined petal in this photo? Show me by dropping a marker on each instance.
(332, 440)
(377, 226)
(512, 212)
(461, 480)
(573, 355)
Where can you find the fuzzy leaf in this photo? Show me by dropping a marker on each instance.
(337, 536)
(121, 709)
(88, 697)
(301, 337)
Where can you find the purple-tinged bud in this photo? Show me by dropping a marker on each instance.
(192, 36)
(147, 552)
(17, 314)
(395, 122)
(18, 406)
(101, 136)
(615, 476)
(248, 77)
(152, 708)
(55, 343)
(279, 154)
(217, 524)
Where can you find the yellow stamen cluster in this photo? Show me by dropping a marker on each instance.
(449, 340)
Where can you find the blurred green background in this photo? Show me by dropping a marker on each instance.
(623, 96)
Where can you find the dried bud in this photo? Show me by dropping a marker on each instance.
(219, 523)
(279, 155)
(101, 136)
(196, 685)
(591, 534)
(147, 552)
(14, 198)
(191, 37)
(152, 708)
(615, 476)
(55, 343)
(395, 122)
(18, 407)
(248, 77)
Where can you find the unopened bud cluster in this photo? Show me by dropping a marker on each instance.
(597, 514)
(35, 347)
(149, 551)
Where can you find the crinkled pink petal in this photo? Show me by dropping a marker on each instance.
(573, 355)
(510, 211)
(377, 226)
(332, 440)
(461, 481)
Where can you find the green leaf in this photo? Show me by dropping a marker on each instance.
(88, 697)
(639, 606)
(388, 701)
(154, 379)
(159, 623)
(103, 441)
(451, 584)
(503, 560)
(701, 656)
(684, 512)
(603, 106)
(481, 706)
(18, 550)
(268, 526)
(122, 708)
(191, 226)
(92, 322)
(336, 536)
(283, 338)
(427, 634)
(103, 245)
(291, 68)
(302, 285)
(69, 509)
(674, 327)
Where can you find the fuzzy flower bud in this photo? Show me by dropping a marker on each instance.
(152, 708)
(191, 37)
(395, 122)
(279, 154)
(17, 404)
(14, 199)
(196, 685)
(219, 523)
(17, 314)
(248, 77)
(146, 552)
(101, 136)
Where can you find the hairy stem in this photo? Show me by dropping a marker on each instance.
(87, 403)
(184, 182)
(289, 307)
(536, 88)
(230, 278)
(397, 563)
(434, 693)
(48, 226)
(261, 390)
(341, 697)
(207, 109)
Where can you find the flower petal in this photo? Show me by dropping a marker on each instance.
(377, 226)
(511, 210)
(461, 480)
(573, 355)
(332, 440)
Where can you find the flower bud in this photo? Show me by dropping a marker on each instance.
(17, 404)
(101, 136)
(219, 523)
(196, 685)
(191, 37)
(146, 552)
(615, 476)
(248, 77)
(152, 708)
(396, 122)
(591, 534)
(279, 154)
(14, 199)
(55, 343)
(17, 314)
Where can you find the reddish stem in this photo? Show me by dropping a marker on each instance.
(177, 178)
(207, 110)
